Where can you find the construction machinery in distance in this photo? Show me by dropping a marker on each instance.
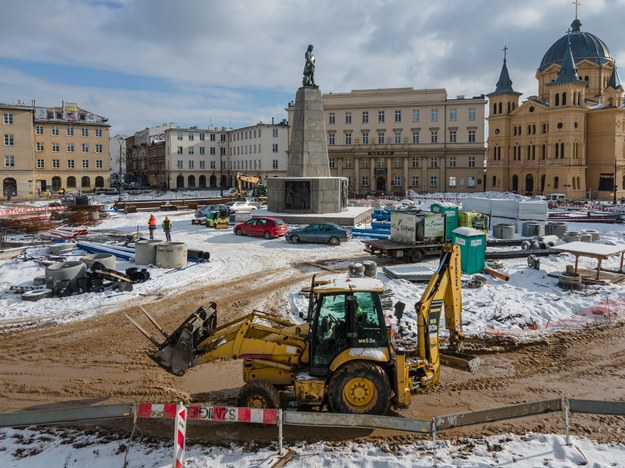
(258, 190)
(344, 355)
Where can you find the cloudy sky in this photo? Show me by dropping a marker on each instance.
(236, 62)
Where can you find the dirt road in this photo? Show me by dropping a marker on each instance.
(104, 360)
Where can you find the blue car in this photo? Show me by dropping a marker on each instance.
(328, 233)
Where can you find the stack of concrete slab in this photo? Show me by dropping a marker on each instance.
(479, 205)
(508, 211)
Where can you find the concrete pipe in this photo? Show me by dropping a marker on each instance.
(62, 271)
(107, 260)
(171, 254)
(356, 270)
(571, 236)
(371, 268)
(145, 252)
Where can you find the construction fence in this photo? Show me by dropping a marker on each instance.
(281, 418)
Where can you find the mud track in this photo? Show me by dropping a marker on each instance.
(104, 360)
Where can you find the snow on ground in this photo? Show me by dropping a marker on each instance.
(23, 448)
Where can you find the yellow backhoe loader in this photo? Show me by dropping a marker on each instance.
(342, 355)
(258, 190)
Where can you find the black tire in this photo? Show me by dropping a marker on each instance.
(267, 235)
(417, 256)
(334, 240)
(294, 239)
(359, 387)
(238, 232)
(259, 394)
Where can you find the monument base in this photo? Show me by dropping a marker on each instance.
(307, 195)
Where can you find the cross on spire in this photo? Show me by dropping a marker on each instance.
(577, 5)
(505, 52)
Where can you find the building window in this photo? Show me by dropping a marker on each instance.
(380, 116)
(471, 113)
(84, 132)
(202, 136)
(69, 132)
(471, 161)
(99, 164)
(365, 163)
(179, 136)
(202, 164)
(9, 161)
(54, 131)
(452, 181)
(434, 136)
(8, 140)
(348, 138)
(179, 150)
(347, 163)
(274, 164)
(98, 132)
(70, 164)
(471, 181)
(85, 164)
(191, 136)
(416, 115)
(415, 181)
(398, 163)
(212, 137)
(365, 138)
(381, 162)
(70, 147)
(40, 146)
(364, 181)
(331, 138)
(396, 181)
(56, 163)
(8, 118)
(380, 138)
(471, 136)
(55, 147)
(332, 118)
(452, 136)
(415, 162)
(212, 151)
(434, 115)
(202, 150)
(85, 147)
(39, 130)
(434, 162)
(452, 161)
(274, 132)
(332, 162)
(397, 116)
(349, 181)
(98, 148)
(41, 163)
(365, 117)
(213, 165)
(348, 117)
(191, 150)
(191, 164)
(453, 114)
(433, 181)
(415, 137)
(397, 137)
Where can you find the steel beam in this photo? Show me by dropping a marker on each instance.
(64, 415)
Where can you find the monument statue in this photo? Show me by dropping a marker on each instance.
(309, 68)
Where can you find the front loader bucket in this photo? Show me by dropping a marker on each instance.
(461, 361)
(177, 352)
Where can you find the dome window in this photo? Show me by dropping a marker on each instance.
(531, 108)
(560, 125)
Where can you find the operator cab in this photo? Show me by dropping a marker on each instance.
(346, 314)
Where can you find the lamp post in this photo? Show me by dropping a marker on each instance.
(221, 166)
(119, 174)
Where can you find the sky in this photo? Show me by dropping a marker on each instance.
(234, 63)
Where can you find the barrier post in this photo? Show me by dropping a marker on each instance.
(280, 432)
(180, 428)
(567, 421)
(435, 462)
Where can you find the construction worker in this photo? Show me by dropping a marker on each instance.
(152, 225)
(167, 225)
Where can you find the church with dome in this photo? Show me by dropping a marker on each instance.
(570, 137)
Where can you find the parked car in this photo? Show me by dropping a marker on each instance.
(203, 210)
(240, 207)
(329, 233)
(252, 201)
(267, 227)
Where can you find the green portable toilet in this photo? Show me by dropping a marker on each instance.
(472, 244)
(451, 217)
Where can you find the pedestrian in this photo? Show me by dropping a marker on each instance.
(167, 225)
(152, 225)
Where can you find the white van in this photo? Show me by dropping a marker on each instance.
(555, 198)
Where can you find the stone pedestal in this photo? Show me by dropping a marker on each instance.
(307, 194)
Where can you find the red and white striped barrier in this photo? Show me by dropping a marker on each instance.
(180, 430)
(22, 210)
(210, 413)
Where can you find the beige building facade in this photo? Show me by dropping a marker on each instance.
(386, 141)
(570, 137)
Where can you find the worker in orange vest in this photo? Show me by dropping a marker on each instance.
(152, 225)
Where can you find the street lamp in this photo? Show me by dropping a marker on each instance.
(119, 174)
(221, 166)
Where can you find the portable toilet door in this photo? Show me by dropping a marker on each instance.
(451, 217)
(472, 244)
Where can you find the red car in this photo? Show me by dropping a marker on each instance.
(266, 227)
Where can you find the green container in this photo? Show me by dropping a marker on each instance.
(472, 249)
(451, 217)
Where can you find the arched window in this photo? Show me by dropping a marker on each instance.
(515, 183)
(494, 181)
(564, 99)
(494, 108)
(180, 181)
(9, 187)
(500, 107)
(213, 181)
(556, 182)
(56, 183)
(202, 181)
(557, 99)
(542, 183)
(561, 150)
(71, 182)
(99, 181)
(85, 182)
(191, 183)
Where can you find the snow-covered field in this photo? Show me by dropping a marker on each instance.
(523, 306)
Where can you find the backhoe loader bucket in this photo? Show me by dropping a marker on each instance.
(177, 352)
(461, 361)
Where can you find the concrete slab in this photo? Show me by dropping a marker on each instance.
(353, 216)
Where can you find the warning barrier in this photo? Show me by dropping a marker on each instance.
(20, 211)
(211, 413)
